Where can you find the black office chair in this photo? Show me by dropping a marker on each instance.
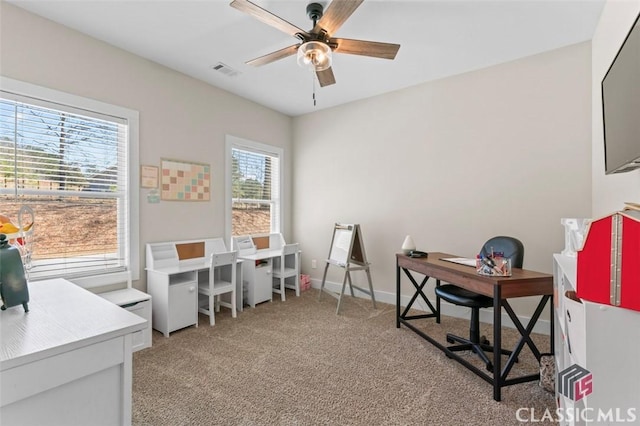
(512, 249)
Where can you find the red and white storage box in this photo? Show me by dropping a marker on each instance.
(609, 261)
(305, 282)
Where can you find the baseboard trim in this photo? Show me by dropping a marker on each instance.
(543, 326)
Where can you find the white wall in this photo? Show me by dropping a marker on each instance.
(503, 150)
(610, 191)
(180, 117)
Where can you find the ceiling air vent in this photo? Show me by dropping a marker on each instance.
(225, 69)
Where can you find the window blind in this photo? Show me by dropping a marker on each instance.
(255, 187)
(70, 167)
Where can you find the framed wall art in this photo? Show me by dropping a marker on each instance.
(185, 181)
(148, 176)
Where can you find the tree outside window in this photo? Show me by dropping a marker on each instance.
(255, 190)
(70, 168)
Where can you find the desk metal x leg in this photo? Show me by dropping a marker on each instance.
(434, 312)
(525, 337)
(497, 342)
(500, 375)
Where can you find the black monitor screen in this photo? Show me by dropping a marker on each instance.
(621, 106)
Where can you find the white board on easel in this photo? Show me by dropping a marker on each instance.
(347, 246)
(346, 249)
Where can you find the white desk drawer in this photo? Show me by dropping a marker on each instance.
(138, 303)
(142, 338)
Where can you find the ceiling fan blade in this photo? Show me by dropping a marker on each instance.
(366, 48)
(267, 17)
(274, 56)
(326, 77)
(336, 14)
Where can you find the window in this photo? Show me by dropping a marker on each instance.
(72, 162)
(254, 187)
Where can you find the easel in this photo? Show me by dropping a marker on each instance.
(347, 252)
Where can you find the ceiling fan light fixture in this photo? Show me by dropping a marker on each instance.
(314, 55)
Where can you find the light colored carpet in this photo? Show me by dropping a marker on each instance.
(298, 363)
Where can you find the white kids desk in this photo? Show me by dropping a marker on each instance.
(263, 254)
(174, 270)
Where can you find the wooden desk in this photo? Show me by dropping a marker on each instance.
(522, 283)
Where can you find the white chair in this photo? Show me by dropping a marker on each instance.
(222, 279)
(286, 270)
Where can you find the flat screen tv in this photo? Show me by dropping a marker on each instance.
(621, 106)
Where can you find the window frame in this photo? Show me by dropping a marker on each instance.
(234, 142)
(132, 229)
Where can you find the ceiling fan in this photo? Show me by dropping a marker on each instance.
(316, 46)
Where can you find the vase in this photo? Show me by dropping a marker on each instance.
(13, 284)
(408, 244)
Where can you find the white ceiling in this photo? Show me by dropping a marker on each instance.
(437, 38)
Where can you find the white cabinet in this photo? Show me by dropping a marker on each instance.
(258, 276)
(604, 340)
(174, 299)
(183, 305)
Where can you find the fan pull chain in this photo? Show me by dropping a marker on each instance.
(313, 76)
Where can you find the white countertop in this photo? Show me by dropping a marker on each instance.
(61, 317)
(181, 267)
(261, 254)
(186, 266)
